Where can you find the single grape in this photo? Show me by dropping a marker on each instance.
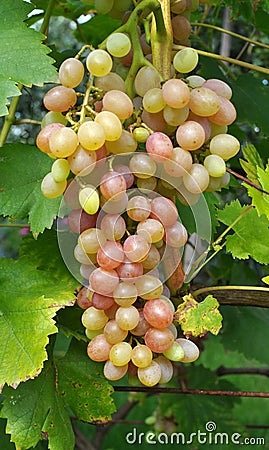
(60, 99)
(150, 375)
(141, 134)
(93, 318)
(113, 333)
(166, 369)
(111, 81)
(71, 72)
(115, 205)
(179, 163)
(71, 194)
(138, 208)
(91, 240)
(110, 255)
(220, 87)
(53, 117)
(178, 6)
(89, 199)
(215, 165)
(195, 81)
(146, 78)
(120, 353)
(126, 173)
(63, 142)
(176, 93)
(125, 294)
(118, 44)
(155, 121)
(136, 248)
(82, 161)
(185, 60)
(196, 181)
(125, 144)
(119, 103)
(181, 27)
(112, 372)
(113, 185)
(204, 102)
(103, 6)
(159, 340)
(104, 281)
(84, 298)
(142, 165)
(142, 326)
(175, 116)
(159, 146)
(224, 145)
(148, 287)
(130, 271)
(190, 349)
(151, 230)
(141, 356)
(98, 349)
(152, 260)
(153, 101)
(99, 63)
(164, 210)
(50, 188)
(226, 114)
(91, 135)
(175, 352)
(92, 333)
(176, 235)
(190, 135)
(127, 317)
(158, 313)
(60, 170)
(113, 226)
(111, 125)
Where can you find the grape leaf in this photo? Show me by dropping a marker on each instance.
(39, 405)
(251, 237)
(22, 169)
(70, 9)
(259, 199)
(31, 294)
(196, 318)
(252, 163)
(23, 57)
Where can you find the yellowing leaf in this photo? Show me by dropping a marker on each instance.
(196, 319)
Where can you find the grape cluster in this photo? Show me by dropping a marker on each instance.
(173, 135)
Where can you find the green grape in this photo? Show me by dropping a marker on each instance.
(175, 352)
(141, 134)
(103, 6)
(153, 101)
(93, 318)
(50, 188)
(185, 60)
(215, 165)
(99, 63)
(141, 356)
(53, 117)
(118, 44)
(150, 375)
(60, 170)
(224, 145)
(120, 353)
(89, 199)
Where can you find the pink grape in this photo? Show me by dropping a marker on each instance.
(79, 220)
(102, 301)
(126, 173)
(98, 348)
(142, 326)
(190, 135)
(84, 298)
(136, 248)
(159, 340)
(130, 271)
(179, 163)
(176, 235)
(113, 226)
(164, 210)
(220, 87)
(158, 313)
(176, 93)
(113, 185)
(159, 146)
(113, 333)
(60, 99)
(110, 255)
(226, 114)
(42, 140)
(104, 281)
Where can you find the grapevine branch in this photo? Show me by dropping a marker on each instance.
(246, 180)
(163, 390)
(243, 371)
(227, 59)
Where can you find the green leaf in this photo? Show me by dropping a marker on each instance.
(259, 199)
(252, 163)
(31, 294)
(23, 57)
(97, 29)
(249, 90)
(196, 318)
(70, 9)
(22, 169)
(40, 405)
(251, 237)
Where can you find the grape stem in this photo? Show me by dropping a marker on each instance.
(86, 100)
(130, 27)
(231, 33)
(263, 302)
(226, 58)
(162, 40)
(247, 181)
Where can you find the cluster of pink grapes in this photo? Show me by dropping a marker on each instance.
(175, 135)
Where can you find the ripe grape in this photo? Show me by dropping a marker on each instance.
(178, 6)
(175, 352)
(226, 114)
(111, 125)
(60, 99)
(141, 356)
(99, 63)
(150, 375)
(90, 240)
(102, 302)
(190, 135)
(181, 27)
(179, 163)
(185, 60)
(42, 140)
(110, 81)
(158, 313)
(147, 184)
(142, 165)
(53, 117)
(155, 121)
(82, 161)
(126, 173)
(141, 134)
(119, 103)
(91, 135)
(148, 287)
(142, 326)
(125, 294)
(146, 78)
(159, 340)
(153, 101)
(118, 44)
(138, 208)
(224, 145)
(166, 369)
(152, 260)
(89, 199)
(159, 146)
(50, 188)
(79, 220)
(98, 348)
(113, 333)
(176, 93)
(110, 255)
(93, 318)
(190, 349)
(60, 170)
(164, 210)
(115, 205)
(125, 144)
(71, 194)
(113, 185)
(113, 226)
(120, 353)
(63, 142)
(127, 317)
(175, 116)
(84, 298)
(215, 165)
(220, 87)
(136, 248)
(176, 235)
(104, 281)
(112, 372)
(196, 181)
(195, 81)
(204, 102)
(71, 72)
(151, 230)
